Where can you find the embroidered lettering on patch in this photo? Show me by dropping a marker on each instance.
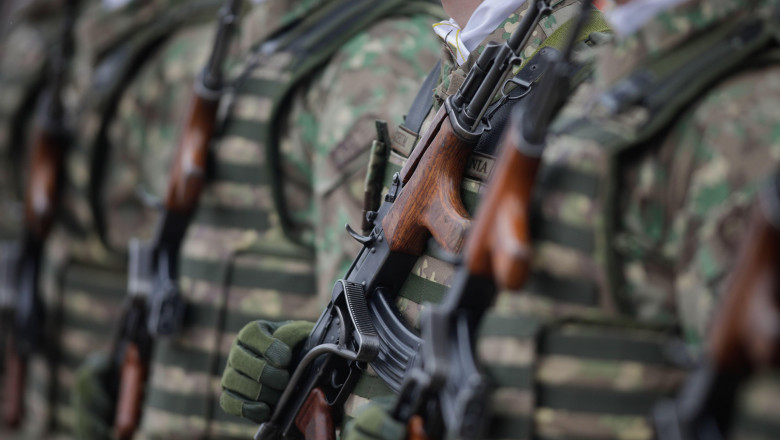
(479, 166)
(358, 140)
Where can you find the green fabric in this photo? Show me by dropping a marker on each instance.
(311, 51)
(293, 333)
(558, 39)
(257, 412)
(256, 370)
(91, 400)
(373, 422)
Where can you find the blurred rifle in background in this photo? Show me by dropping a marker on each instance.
(155, 307)
(743, 338)
(50, 141)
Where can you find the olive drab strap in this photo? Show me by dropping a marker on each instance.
(288, 58)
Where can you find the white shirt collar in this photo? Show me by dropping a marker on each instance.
(485, 19)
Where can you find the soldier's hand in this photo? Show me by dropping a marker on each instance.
(373, 422)
(257, 369)
(92, 401)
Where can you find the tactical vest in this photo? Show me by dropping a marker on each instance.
(567, 359)
(578, 272)
(247, 256)
(84, 281)
(23, 55)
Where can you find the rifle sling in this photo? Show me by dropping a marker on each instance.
(423, 102)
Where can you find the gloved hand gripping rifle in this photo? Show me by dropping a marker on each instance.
(360, 326)
(743, 336)
(155, 307)
(51, 139)
(446, 387)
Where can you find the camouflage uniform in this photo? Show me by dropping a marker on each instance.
(241, 260)
(23, 54)
(631, 243)
(25, 42)
(84, 270)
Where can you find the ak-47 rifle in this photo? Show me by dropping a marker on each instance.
(743, 336)
(51, 139)
(360, 325)
(154, 306)
(446, 391)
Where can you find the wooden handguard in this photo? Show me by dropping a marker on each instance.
(416, 429)
(13, 387)
(499, 243)
(131, 391)
(745, 333)
(189, 167)
(430, 203)
(314, 419)
(42, 183)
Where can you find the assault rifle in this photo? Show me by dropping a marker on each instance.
(360, 325)
(446, 388)
(51, 139)
(155, 307)
(743, 338)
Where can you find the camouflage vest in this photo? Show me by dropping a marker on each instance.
(27, 40)
(84, 281)
(246, 256)
(599, 369)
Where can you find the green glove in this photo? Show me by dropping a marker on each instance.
(92, 400)
(373, 422)
(257, 369)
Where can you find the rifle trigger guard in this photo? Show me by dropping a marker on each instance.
(362, 239)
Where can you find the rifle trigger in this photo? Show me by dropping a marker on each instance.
(362, 239)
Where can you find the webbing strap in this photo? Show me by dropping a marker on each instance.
(423, 102)
(113, 75)
(559, 37)
(320, 36)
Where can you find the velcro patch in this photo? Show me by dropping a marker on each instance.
(403, 141)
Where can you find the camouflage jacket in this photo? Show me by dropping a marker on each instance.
(238, 263)
(24, 49)
(583, 351)
(83, 277)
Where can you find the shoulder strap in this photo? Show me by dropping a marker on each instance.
(423, 102)
(663, 89)
(112, 76)
(311, 42)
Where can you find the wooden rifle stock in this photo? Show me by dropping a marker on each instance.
(314, 419)
(430, 203)
(744, 335)
(41, 195)
(416, 429)
(13, 386)
(189, 167)
(42, 183)
(131, 391)
(499, 242)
